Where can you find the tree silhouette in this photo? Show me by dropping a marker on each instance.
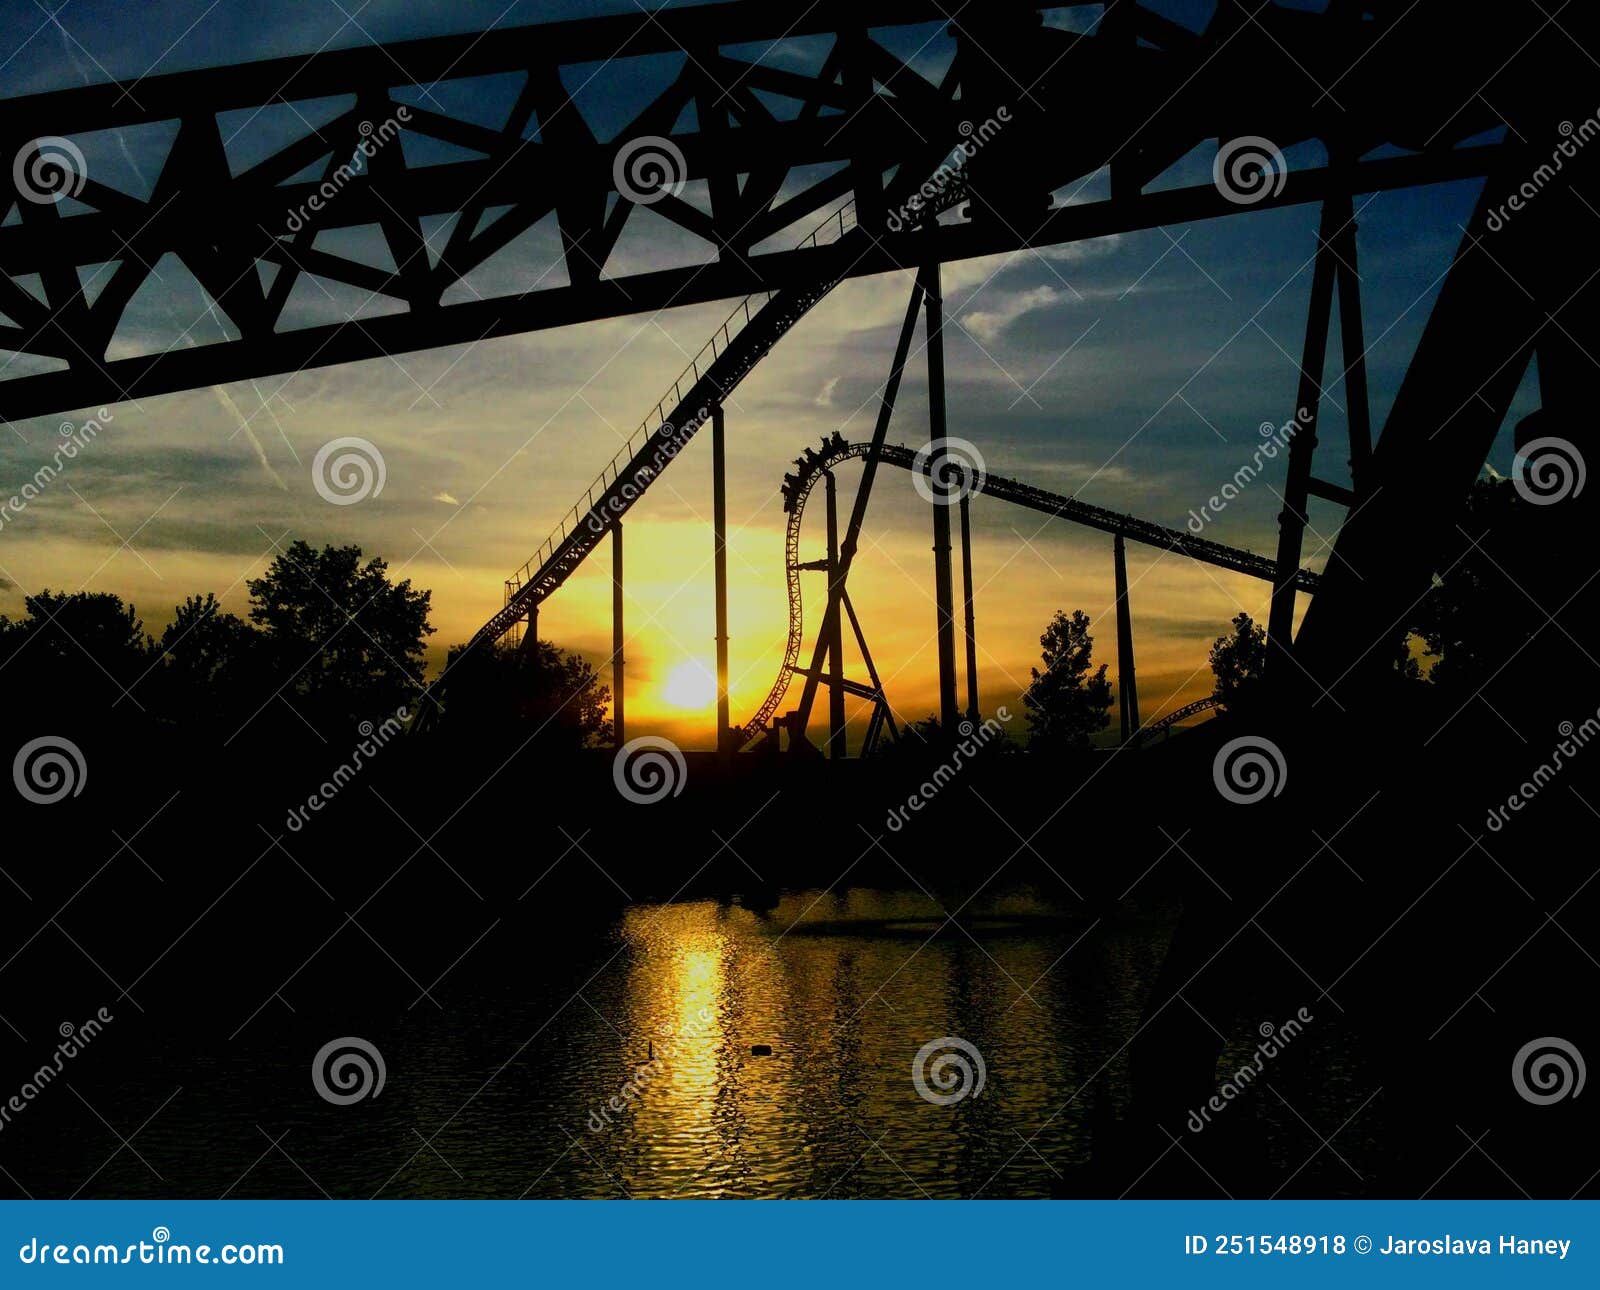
(339, 634)
(1065, 704)
(83, 650)
(1472, 619)
(542, 692)
(212, 665)
(1238, 661)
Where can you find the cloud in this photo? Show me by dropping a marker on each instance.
(824, 397)
(987, 324)
(446, 498)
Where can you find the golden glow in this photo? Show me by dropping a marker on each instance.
(690, 685)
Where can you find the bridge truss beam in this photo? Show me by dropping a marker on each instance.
(753, 132)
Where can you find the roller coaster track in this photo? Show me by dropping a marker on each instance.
(798, 488)
(1178, 714)
(746, 336)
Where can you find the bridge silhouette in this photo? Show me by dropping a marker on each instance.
(921, 170)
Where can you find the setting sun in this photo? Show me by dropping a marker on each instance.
(690, 685)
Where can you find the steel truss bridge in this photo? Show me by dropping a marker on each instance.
(1396, 94)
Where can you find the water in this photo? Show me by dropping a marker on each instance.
(509, 1092)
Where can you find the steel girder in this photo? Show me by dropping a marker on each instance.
(1137, 95)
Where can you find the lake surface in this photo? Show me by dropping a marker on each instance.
(509, 1092)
